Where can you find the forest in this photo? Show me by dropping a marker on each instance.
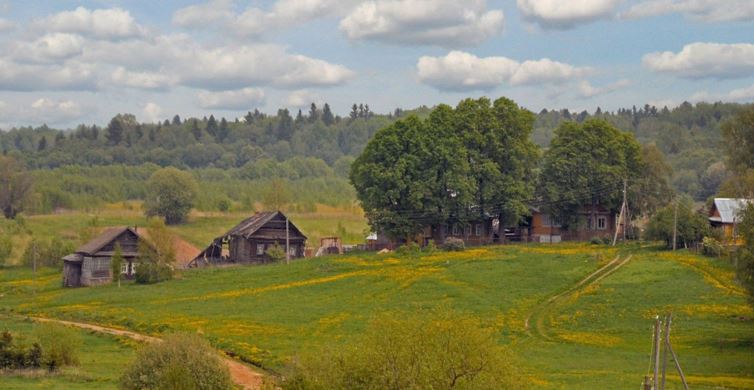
(311, 152)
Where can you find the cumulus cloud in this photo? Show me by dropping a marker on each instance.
(559, 14)
(229, 67)
(745, 94)
(53, 47)
(446, 23)
(141, 80)
(701, 10)
(112, 23)
(35, 77)
(586, 90)
(254, 20)
(705, 60)
(6, 25)
(241, 99)
(152, 112)
(50, 111)
(460, 71)
(301, 98)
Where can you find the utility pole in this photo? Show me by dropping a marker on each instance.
(656, 353)
(622, 215)
(675, 222)
(287, 243)
(666, 345)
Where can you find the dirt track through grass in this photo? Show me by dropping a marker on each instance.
(241, 374)
(540, 312)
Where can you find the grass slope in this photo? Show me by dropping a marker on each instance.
(597, 335)
(102, 359)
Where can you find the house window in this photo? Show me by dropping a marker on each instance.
(124, 268)
(456, 230)
(478, 229)
(260, 249)
(601, 223)
(548, 221)
(292, 251)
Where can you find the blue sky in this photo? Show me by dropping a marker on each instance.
(65, 62)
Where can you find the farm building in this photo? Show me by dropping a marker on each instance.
(89, 265)
(725, 215)
(249, 241)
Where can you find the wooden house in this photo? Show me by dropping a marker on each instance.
(90, 264)
(725, 214)
(600, 223)
(249, 241)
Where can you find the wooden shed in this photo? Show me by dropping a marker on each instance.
(726, 214)
(249, 241)
(90, 264)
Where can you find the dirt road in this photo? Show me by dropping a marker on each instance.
(242, 375)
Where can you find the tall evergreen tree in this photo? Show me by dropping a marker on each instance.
(313, 113)
(212, 126)
(114, 131)
(42, 145)
(176, 120)
(327, 116)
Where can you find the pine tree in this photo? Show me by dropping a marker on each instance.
(176, 120)
(222, 131)
(114, 132)
(195, 130)
(354, 112)
(212, 126)
(299, 117)
(313, 113)
(42, 145)
(327, 116)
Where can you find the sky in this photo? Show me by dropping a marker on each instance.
(63, 63)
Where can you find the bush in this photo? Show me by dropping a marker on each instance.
(407, 351)
(430, 247)
(182, 361)
(712, 247)
(59, 345)
(408, 249)
(149, 272)
(453, 244)
(6, 248)
(276, 252)
(596, 241)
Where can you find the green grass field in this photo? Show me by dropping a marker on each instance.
(101, 357)
(597, 335)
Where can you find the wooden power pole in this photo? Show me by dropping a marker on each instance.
(287, 243)
(622, 215)
(656, 354)
(675, 223)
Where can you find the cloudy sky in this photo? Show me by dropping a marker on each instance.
(65, 62)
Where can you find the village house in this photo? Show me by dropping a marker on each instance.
(541, 227)
(250, 240)
(725, 214)
(90, 264)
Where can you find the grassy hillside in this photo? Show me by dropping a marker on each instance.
(594, 335)
(101, 360)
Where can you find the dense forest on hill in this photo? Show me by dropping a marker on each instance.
(311, 151)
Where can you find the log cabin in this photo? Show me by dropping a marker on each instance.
(250, 240)
(725, 214)
(90, 265)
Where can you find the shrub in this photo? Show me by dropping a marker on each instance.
(276, 252)
(149, 272)
(408, 249)
(398, 351)
(6, 247)
(712, 247)
(182, 361)
(596, 241)
(223, 205)
(430, 247)
(453, 244)
(59, 345)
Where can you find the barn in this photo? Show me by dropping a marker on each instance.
(250, 240)
(89, 265)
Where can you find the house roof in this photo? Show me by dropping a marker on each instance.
(106, 237)
(251, 225)
(729, 209)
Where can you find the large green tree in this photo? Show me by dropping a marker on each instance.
(170, 194)
(738, 136)
(585, 167)
(15, 186)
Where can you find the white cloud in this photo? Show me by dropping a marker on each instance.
(50, 111)
(301, 98)
(6, 25)
(231, 67)
(702, 60)
(701, 10)
(152, 112)
(113, 23)
(141, 80)
(53, 47)
(745, 94)
(219, 14)
(460, 71)
(560, 14)
(32, 77)
(586, 90)
(241, 99)
(445, 23)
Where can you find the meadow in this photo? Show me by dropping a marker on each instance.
(595, 335)
(101, 360)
